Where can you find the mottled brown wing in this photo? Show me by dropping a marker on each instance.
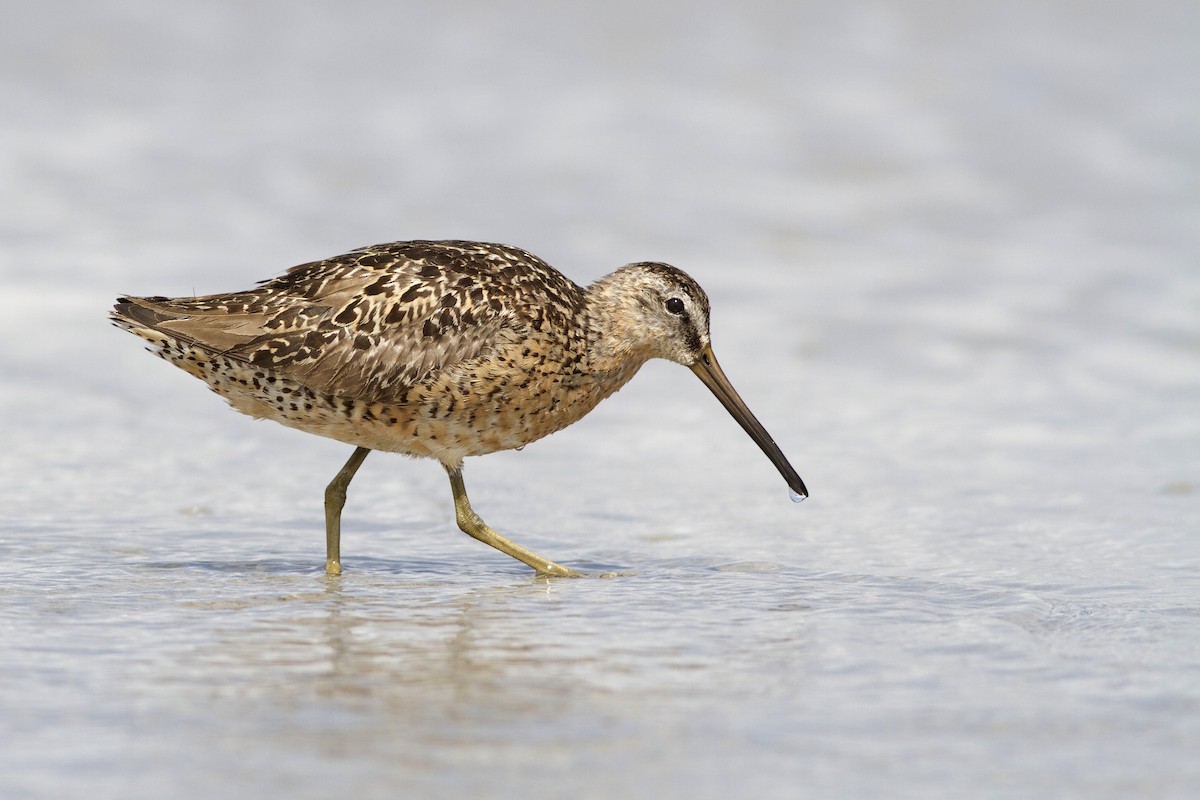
(370, 323)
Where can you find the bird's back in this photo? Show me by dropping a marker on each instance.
(371, 323)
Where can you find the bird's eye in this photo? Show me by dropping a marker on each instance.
(675, 305)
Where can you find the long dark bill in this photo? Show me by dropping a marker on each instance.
(708, 370)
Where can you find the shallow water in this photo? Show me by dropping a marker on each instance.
(951, 255)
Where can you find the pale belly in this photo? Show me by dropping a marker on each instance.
(462, 413)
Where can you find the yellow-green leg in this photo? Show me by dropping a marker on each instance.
(471, 524)
(335, 499)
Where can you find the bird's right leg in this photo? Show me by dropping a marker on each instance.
(471, 524)
(335, 499)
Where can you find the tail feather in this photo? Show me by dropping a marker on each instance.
(132, 310)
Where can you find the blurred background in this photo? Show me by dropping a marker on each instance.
(952, 250)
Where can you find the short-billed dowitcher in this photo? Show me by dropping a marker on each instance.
(437, 349)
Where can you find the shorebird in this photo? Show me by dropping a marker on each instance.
(437, 349)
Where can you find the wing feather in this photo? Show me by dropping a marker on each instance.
(373, 322)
